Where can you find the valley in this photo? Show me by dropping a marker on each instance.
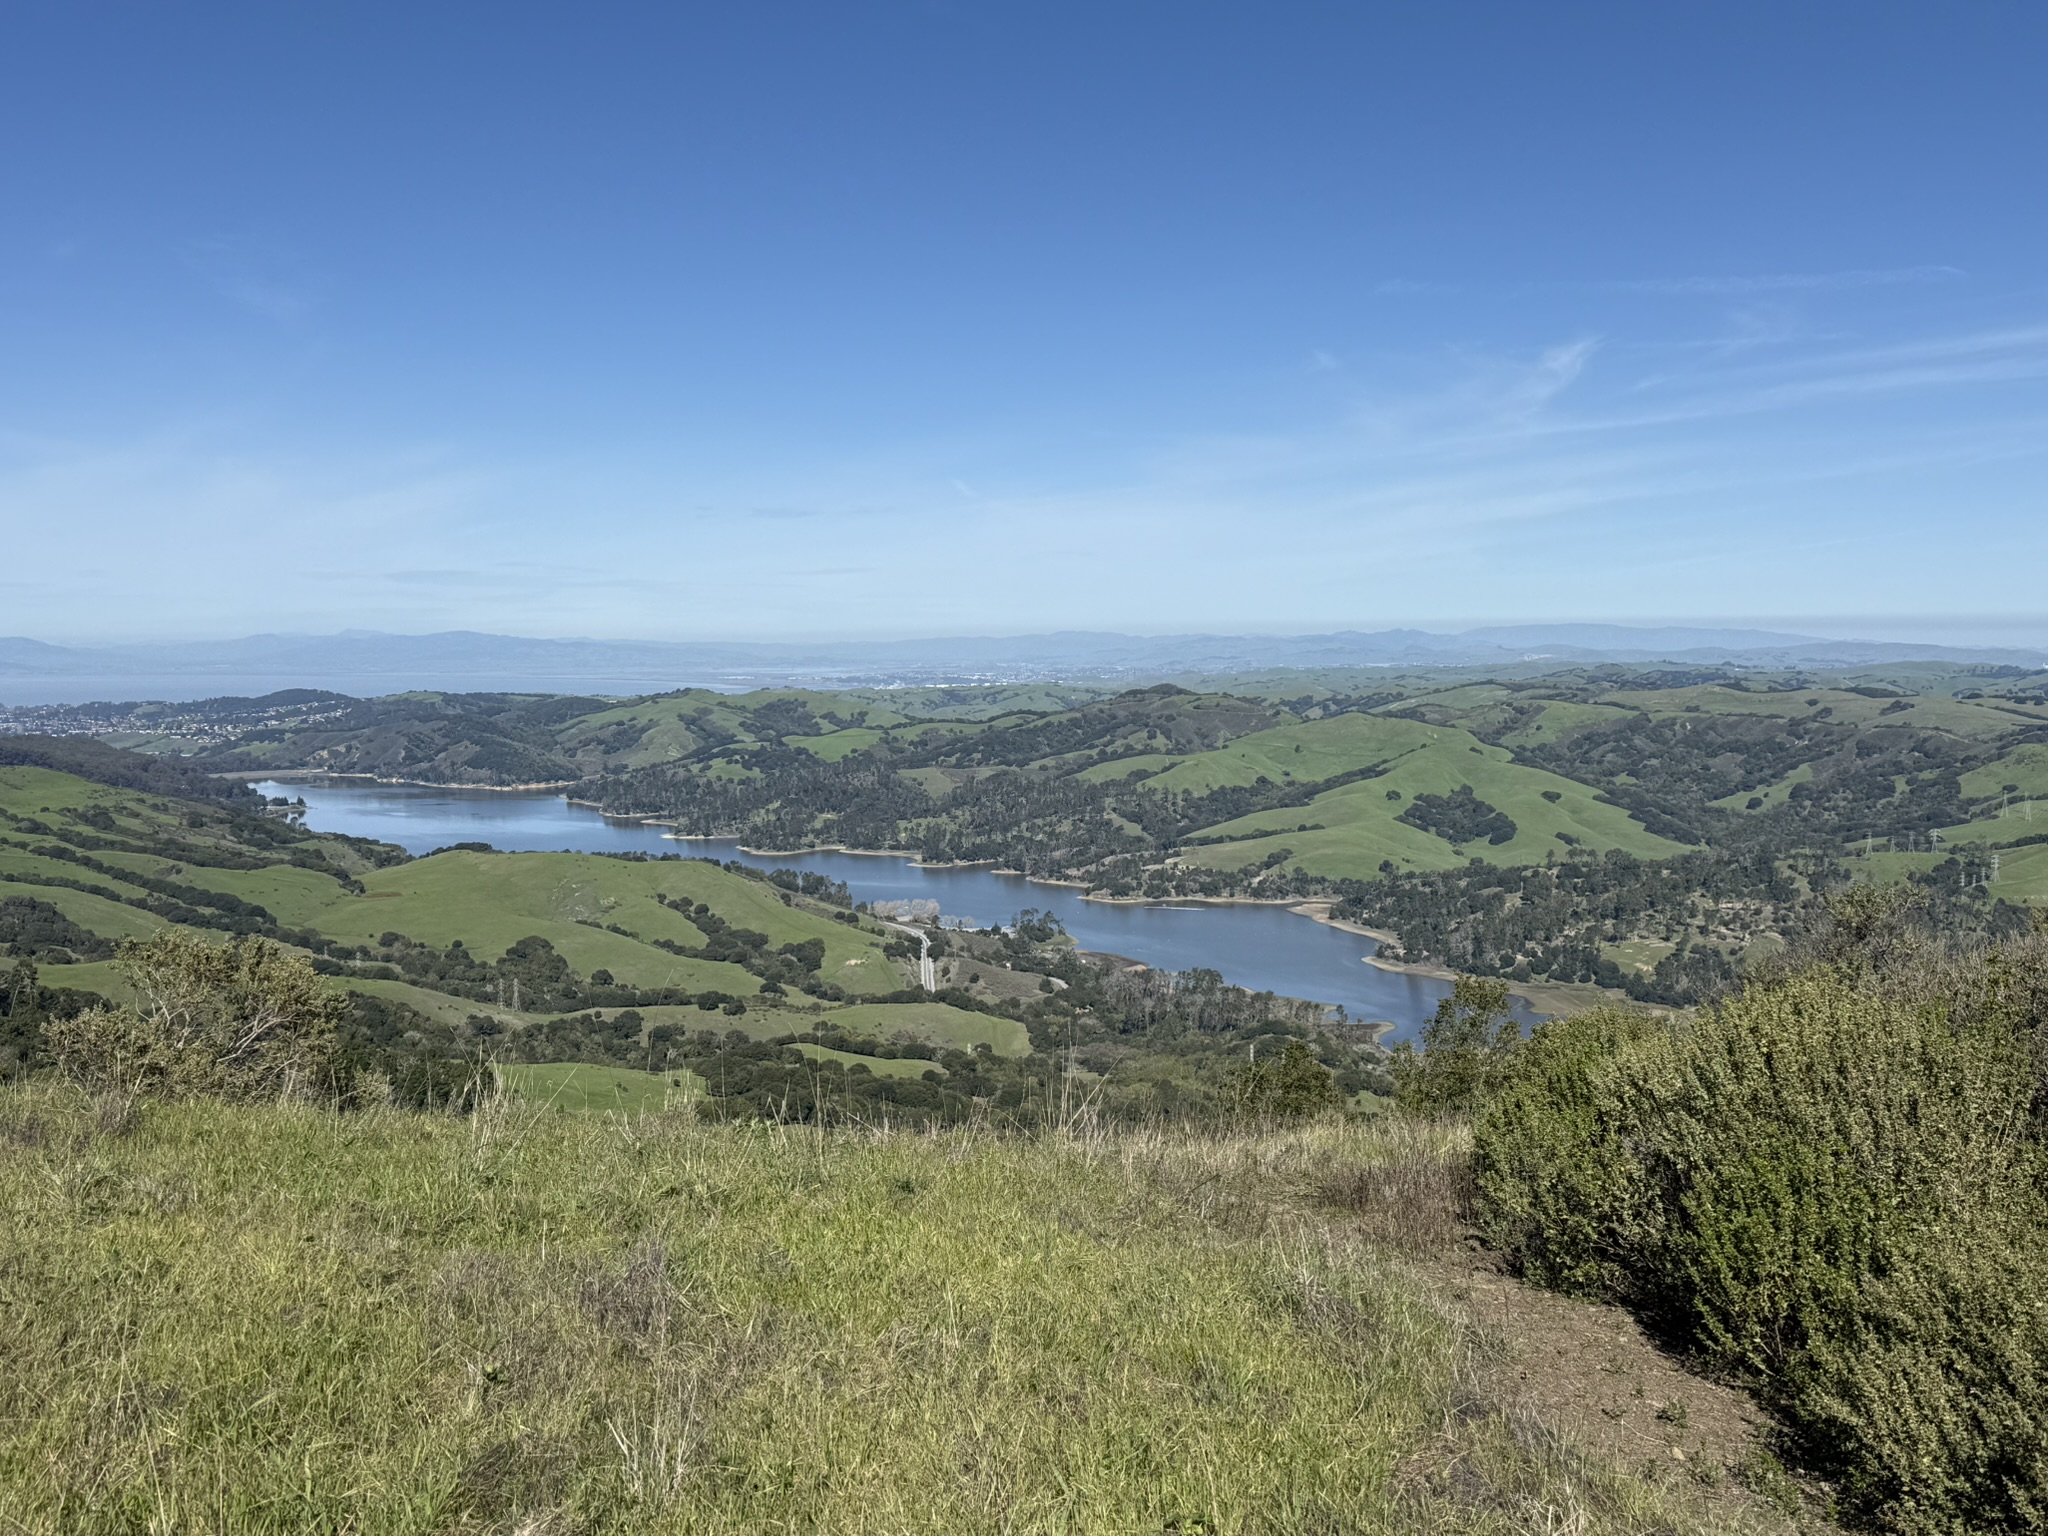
(758, 991)
(1648, 830)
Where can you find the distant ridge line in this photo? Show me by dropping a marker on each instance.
(489, 662)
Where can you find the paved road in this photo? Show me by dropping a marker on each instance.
(927, 968)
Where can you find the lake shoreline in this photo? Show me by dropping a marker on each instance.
(1248, 952)
(327, 776)
(1314, 909)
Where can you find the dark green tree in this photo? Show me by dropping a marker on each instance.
(1291, 1086)
(21, 1018)
(1466, 1045)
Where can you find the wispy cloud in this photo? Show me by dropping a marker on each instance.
(1555, 371)
(1822, 374)
(1582, 468)
(1740, 284)
(252, 277)
(1450, 475)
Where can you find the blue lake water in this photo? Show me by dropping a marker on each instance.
(1262, 947)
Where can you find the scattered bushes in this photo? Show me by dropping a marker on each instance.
(1291, 1086)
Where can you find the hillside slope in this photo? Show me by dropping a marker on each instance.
(1413, 801)
(1358, 826)
(529, 1321)
(146, 862)
(782, 998)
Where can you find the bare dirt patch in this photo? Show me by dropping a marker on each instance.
(1583, 1374)
(1594, 1376)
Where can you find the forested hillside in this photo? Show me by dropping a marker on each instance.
(1653, 830)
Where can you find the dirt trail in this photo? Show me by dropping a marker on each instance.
(1585, 1372)
(1591, 1374)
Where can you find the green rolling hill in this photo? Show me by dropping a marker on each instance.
(1378, 792)
(1357, 827)
(600, 982)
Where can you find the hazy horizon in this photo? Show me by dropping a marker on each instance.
(1988, 631)
(369, 663)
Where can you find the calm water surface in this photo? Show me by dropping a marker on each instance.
(1266, 948)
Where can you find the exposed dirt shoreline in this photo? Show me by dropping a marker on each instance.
(325, 776)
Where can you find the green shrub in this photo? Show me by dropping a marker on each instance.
(1554, 1178)
(247, 1019)
(1292, 1086)
(1934, 1409)
(1806, 1136)
(1831, 1189)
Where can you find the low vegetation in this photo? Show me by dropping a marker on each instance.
(1833, 1186)
(276, 1318)
(242, 1020)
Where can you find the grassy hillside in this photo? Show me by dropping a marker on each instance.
(1304, 752)
(936, 1022)
(1353, 828)
(486, 901)
(490, 900)
(2021, 875)
(2021, 774)
(791, 1003)
(1936, 712)
(883, 1066)
(1557, 719)
(536, 1322)
(425, 936)
(578, 1087)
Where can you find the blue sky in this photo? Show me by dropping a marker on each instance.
(890, 319)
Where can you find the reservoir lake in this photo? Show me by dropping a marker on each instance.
(1266, 948)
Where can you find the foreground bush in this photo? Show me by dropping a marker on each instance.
(1558, 1182)
(269, 1318)
(247, 1019)
(1829, 1185)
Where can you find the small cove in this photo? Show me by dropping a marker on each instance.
(1258, 946)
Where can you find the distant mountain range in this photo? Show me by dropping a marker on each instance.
(365, 662)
